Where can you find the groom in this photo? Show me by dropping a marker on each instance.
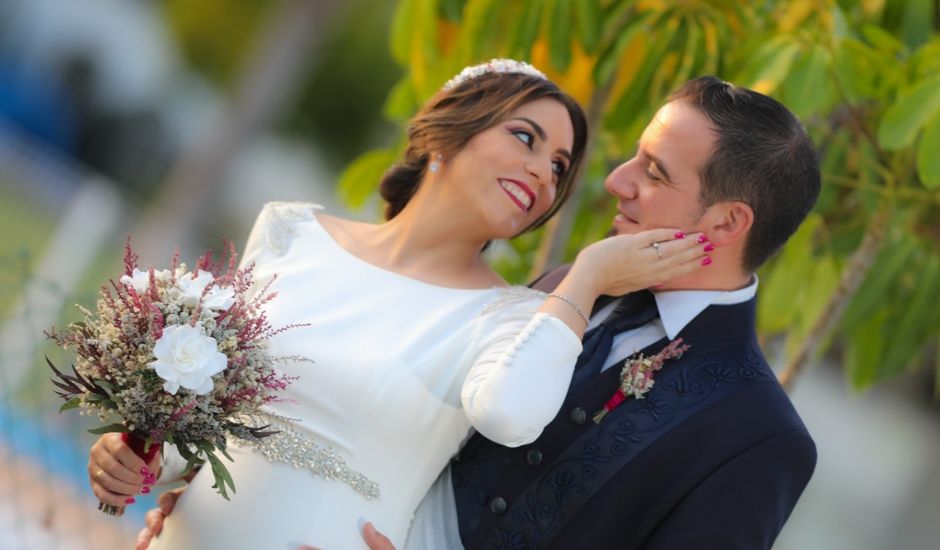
(714, 455)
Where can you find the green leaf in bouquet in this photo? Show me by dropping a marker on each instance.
(221, 475)
(72, 403)
(71, 385)
(224, 452)
(110, 428)
(108, 387)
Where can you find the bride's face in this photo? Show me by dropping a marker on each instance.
(508, 174)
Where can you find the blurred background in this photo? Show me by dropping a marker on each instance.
(175, 121)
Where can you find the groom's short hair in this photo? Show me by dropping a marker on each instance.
(762, 157)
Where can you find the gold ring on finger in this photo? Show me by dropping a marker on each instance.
(98, 475)
(658, 251)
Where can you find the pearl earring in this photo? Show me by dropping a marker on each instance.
(435, 165)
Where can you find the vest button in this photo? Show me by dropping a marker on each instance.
(498, 505)
(533, 457)
(578, 416)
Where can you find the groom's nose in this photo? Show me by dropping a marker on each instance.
(620, 182)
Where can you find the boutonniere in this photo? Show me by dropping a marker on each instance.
(636, 377)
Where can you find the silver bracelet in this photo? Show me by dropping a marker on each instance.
(571, 303)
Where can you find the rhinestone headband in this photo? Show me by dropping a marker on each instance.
(504, 66)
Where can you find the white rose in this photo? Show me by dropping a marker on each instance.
(141, 279)
(188, 358)
(220, 297)
(192, 285)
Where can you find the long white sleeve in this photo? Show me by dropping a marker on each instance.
(519, 374)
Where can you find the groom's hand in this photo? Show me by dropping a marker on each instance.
(154, 518)
(374, 539)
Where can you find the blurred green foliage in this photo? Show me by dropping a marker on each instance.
(347, 72)
(215, 36)
(340, 107)
(862, 276)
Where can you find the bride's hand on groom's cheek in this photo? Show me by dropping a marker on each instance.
(374, 539)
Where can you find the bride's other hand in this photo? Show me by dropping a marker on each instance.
(154, 518)
(374, 539)
(116, 473)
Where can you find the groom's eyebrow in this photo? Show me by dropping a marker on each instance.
(656, 160)
(660, 166)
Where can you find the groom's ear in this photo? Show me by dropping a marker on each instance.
(728, 222)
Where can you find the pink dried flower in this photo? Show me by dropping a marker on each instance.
(636, 377)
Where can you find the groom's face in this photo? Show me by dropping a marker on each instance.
(659, 186)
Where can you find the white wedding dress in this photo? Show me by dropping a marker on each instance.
(403, 370)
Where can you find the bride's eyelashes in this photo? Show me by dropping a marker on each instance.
(526, 137)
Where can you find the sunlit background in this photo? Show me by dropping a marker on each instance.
(174, 121)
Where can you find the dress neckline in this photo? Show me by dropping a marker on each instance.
(369, 265)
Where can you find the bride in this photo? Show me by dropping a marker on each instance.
(416, 340)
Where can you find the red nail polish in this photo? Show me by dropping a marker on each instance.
(145, 471)
(144, 490)
(709, 247)
(680, 235)
(702, 238)
(706, 260)
(130, 500)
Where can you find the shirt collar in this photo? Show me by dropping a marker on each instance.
(678, 307)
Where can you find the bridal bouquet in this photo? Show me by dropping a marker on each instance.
(175, 356)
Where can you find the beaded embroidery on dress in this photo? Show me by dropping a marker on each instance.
(292, 447)
(283, 226)
(511, 296)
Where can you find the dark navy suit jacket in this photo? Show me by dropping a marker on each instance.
(715, 456)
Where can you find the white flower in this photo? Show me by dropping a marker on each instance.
(188, 358)
(220, 297)
(192, 285)
(141, 279)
